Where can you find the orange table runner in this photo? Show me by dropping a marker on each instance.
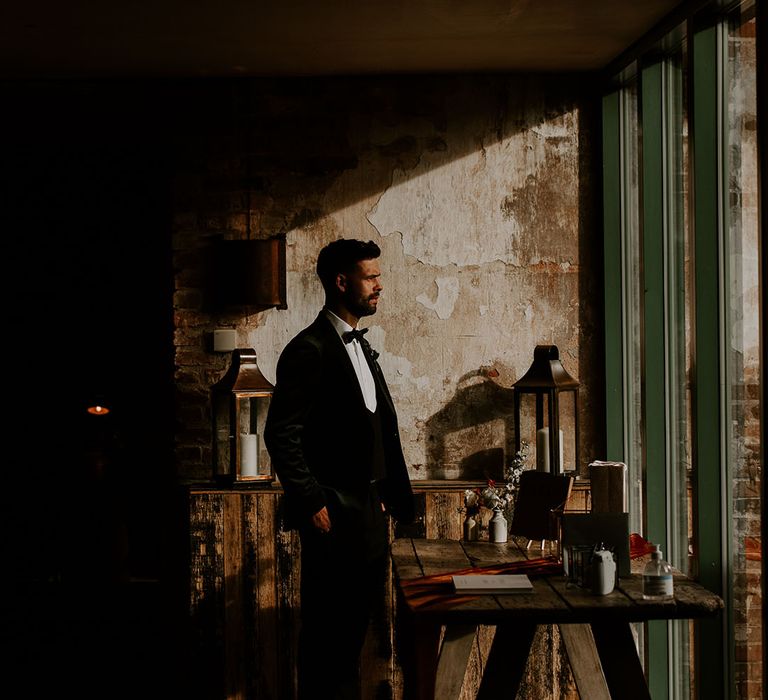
(436, 591)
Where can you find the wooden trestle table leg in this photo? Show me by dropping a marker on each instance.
(452, 664)
(585, 661)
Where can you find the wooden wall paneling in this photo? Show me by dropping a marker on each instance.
(245, 604)
(288, 573)
(548, 673)
(263, 576)
(205, 658)
(254, 643)
(442, 517)
(234, 621)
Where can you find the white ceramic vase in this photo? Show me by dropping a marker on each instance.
(471, 528)
(497, 527)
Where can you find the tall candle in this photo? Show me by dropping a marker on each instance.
(542, 450)
(249, 455)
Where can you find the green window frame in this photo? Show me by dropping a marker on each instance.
(659, 465)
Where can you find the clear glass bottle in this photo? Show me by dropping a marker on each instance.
(657, 577)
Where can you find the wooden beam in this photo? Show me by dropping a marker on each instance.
(458, 641)
(585, 661)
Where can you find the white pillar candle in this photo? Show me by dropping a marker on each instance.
(542, 450)
(249, 455)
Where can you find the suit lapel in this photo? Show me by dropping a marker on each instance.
(334, 346)
(378, 378)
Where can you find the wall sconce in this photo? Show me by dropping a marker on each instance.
(557, 439)
(250, 273)
(240, 401)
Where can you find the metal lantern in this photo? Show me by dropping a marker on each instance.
(240, 402)
(556, 427)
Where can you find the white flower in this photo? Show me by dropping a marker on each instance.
(471, 498)
(491, 497)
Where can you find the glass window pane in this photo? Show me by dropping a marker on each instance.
(632, 311)
(678, 310)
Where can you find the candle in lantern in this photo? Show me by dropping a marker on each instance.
(542, 450)
(249, 455)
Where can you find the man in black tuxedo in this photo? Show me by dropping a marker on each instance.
(333, 438)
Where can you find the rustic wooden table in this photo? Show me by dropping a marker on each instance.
(595, 629)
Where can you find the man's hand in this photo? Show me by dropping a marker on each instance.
(321, 520)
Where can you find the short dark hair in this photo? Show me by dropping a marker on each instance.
(341, 256)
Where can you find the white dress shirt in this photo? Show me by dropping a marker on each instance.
(355, 352)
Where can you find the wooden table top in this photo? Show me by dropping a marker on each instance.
(553, 599)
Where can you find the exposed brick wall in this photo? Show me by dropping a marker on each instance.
(480, 192)
(745, 462)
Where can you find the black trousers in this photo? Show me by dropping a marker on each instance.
(342, 575)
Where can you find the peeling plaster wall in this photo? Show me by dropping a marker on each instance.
(480, 192)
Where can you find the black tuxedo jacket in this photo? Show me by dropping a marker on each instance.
(319, 433)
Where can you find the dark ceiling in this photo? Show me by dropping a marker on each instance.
(196, 38)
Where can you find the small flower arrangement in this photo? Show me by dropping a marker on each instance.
(495, 496)
(472, 502)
